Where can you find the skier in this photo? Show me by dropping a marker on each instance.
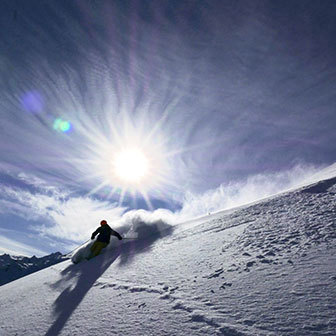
(103, 239)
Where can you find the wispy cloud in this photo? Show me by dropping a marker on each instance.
(14, 247)
(58, 214)
(229, 93)
(77, 217)
(230, 98)
(72, 219)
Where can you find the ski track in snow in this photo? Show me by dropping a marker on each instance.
(264, 269)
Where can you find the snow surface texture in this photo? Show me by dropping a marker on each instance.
(264, 269)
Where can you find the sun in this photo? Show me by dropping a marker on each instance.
(130, 166)
(130, 162)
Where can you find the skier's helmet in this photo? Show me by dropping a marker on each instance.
(103, 222)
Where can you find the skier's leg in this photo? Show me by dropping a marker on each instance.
(97, 247)
(88, 257)
(93, 250)
(93, 247)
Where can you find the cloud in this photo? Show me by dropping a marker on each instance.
(63, 216)
(63, 221)
(77, 217)
(14, 247)
(59, 214)
(228, 79)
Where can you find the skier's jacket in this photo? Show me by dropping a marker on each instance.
(105, 233)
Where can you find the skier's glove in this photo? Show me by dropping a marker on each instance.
(92, 237)
(119, 238)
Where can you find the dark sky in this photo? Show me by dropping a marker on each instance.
(214, 92)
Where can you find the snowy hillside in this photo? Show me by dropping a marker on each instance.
(263, 269)
(15, 267)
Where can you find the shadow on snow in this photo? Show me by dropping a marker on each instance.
(87, 273)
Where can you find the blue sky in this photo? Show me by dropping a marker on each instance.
(228, 100)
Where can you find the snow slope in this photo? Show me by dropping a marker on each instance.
(263, 269)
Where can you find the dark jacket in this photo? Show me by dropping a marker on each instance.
(105, 233)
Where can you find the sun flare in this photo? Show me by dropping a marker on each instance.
(131, 162)
(130, 165)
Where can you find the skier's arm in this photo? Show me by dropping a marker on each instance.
(94, 234)
(116, 234)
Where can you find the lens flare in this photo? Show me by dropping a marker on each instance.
(65, 126)
(32, 102)
(61, 125)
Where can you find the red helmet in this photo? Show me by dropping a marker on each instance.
(103, 222)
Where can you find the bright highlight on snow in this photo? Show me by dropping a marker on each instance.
(130, 165)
